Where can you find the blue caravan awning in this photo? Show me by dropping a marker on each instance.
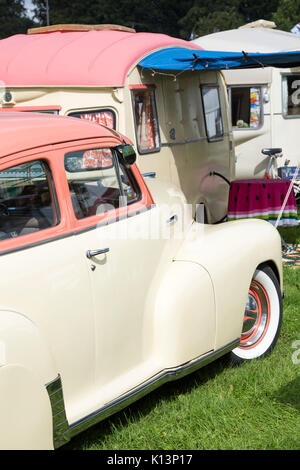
(179, 58)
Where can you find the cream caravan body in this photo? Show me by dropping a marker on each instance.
(272, 119)
(85, 71)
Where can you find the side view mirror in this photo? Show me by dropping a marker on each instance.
(126, 154)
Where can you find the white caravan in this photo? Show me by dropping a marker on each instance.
(265, 103)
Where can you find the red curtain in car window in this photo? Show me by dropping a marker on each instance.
(106, 118)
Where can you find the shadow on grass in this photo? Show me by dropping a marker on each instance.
(166, 393)
(289, 394)
(291, 234)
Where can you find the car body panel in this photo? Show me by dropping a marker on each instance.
(220, 249)
(25, 410)
(167, 297)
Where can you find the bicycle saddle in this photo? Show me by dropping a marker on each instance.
(272, 151)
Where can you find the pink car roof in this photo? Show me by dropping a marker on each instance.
(26, 131)
(77, 58)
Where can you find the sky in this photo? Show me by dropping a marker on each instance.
(28, 5)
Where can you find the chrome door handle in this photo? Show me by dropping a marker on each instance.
(91, 253)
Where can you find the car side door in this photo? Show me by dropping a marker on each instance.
(113, 211)
(43, 277)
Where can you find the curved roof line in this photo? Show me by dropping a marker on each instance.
(40, 130)
(250, 40)
(99, 58)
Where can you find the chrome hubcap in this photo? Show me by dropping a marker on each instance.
(257, 316)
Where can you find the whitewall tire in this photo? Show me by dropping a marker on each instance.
(262, 319)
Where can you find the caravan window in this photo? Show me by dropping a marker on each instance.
(146, 121)
(106, 117)
(291, 95)
(246, 107)
(32, 109)
(212, 112)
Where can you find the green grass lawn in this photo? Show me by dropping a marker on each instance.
(255, 406)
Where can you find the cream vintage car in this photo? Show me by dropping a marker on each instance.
(109, 288)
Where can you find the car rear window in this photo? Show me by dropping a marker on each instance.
(27, 202)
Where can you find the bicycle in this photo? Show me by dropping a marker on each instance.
(284, 172)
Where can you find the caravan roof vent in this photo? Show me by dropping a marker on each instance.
(79, 27)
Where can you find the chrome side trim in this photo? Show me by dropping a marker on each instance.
(147, 387)
(61, 428)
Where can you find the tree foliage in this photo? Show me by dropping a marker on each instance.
(155, 16)
(287, 14)
(13, 19)
(252, 11)
(205, 18)
(178, 19)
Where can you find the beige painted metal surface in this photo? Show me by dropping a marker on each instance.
(105, 326)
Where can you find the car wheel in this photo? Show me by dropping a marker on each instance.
(262, 319)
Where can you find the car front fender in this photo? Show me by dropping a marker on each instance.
(26, 367)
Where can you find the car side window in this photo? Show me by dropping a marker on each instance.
(27, 200)
(98, 183)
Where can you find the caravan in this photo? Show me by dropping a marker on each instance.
(167, 95)
(264, 102)
(179, 122)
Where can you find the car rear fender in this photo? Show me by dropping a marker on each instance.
(230, 253)
(184, 315)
